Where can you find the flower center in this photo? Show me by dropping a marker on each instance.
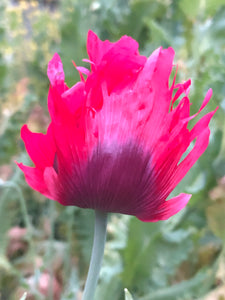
(116, 179)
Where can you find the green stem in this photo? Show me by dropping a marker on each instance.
(96, 256)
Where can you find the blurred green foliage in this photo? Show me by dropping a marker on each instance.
(182, 258)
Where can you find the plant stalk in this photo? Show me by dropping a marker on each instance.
(96, 256)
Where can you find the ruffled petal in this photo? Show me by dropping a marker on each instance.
(52, 182)
(34, 178)
(56, 106)
(40, 147)
(56, 74)
(180, 114)
(148, 102)
(182, 88)
(96, 48)
(116, 70)
(69, 136)
(166, 210)
(75, 97)
(204, 103)
(206, 99)
(161, 96)
(201, 132)
(83, 70)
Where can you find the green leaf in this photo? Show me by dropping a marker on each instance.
(140, 253)
(158, 34)
(188, 289)
(211, 6)
(215, 215)
(190, 8)
(109, 290)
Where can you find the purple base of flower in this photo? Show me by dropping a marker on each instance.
(115, 179)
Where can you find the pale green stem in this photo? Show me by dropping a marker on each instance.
(96, 256)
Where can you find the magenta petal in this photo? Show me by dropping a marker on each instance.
(75, 97)
(51, 181)
(182, 88)
(152, 84)
(181, 112)
(206, 99)
(204, 103)
(167, 209)
(40, 147)
(34, 178)
(56, 74)
(55, 71)
(202, 132)
(96, 48)
(83, 70)
(108, 67)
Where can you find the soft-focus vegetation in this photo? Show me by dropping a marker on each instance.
(44, 247)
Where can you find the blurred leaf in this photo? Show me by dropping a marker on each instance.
(212, 6)
(190, 8)
(141, 251)
(215, 215)
(109, 290)
(189, 289)
(153, 253)
(158, 33)
(72, 286)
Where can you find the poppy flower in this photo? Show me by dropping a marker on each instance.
(117, 138)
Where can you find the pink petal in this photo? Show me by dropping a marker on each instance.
(80, 73)
(182, 88)
(56, 106)
(55, 70)
(155, 90)
(83, 70)
(75, 97)
(123, 68)
(118, 71)
(68, 114)
(40, 147)
(56, 74)
(88, 61)
(201, 132)
(69, 133)
(166, 210)
(51, 181)
(60, 107)
(206, 100)
(180, 113)
(96, 48)
(34, 178)
(204, 103)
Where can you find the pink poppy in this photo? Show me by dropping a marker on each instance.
(115, 142)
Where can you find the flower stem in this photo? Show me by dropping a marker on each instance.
(96, 256)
